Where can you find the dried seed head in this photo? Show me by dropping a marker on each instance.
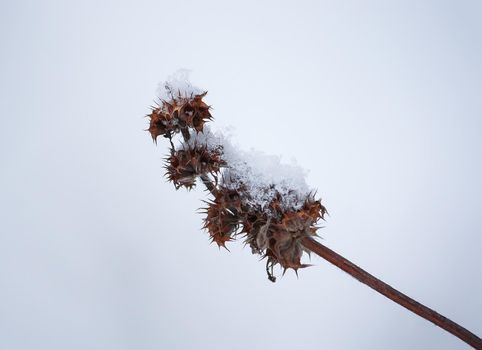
(269, 203)
(184, 165)
(183, 112)
(162, 123)
(229, 198)
(221, 223)
(195, 113)
(277, 236)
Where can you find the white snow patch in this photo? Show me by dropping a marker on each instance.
(262, 176)
(178, 86)
(213, 141)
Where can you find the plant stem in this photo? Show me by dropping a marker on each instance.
(391, 293)
(208, 183)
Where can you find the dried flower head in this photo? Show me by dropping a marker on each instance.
(276, 234)
(180, 113)
(221, 223)
(272, 210)
(185, 165)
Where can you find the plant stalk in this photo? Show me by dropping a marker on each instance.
(391, 293)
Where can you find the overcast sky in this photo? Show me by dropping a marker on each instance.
(380, 100)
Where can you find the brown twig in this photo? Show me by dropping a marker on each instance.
(391, 293)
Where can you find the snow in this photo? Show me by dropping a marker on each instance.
(264, 176)
(213, 141)
(178, 86)
(261, 176)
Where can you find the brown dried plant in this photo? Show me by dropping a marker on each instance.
(277, 232)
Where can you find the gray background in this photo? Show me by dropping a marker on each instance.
(381, 101)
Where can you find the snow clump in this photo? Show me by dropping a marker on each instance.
(262, 177)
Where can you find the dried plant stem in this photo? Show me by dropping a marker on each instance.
(391, 293)
(209, 185)
(185, 134)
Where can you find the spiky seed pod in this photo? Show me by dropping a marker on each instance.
(184, 165)
(170, 117)
(229, 198)
(221, 223)
(277, 235)
(194, 113)
(314, 209)
(285, 249)
(304, 219)
(161, 122)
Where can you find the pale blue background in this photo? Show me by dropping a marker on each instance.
(380, 100)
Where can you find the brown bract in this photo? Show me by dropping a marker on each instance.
(277, 236)
(185, 165)
(171, 116)
(221, 223)
(274, 233)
